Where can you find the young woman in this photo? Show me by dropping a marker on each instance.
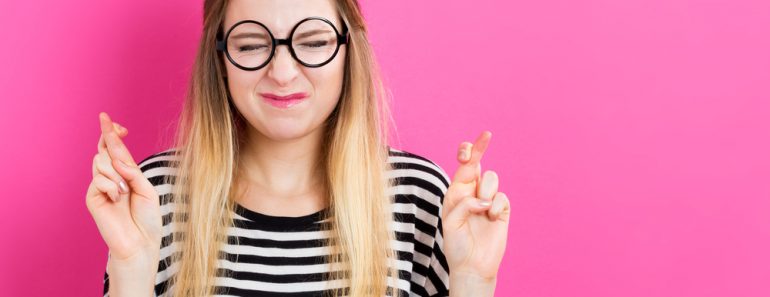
(281, 182)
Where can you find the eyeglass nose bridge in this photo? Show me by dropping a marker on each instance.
(287, 43)
(283, 41)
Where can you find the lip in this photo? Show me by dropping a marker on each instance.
(293, 96)
(285, 101)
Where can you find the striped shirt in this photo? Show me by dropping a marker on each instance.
(279, 256)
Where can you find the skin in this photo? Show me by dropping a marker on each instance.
(128, 219)
(476, 220)
(283, 146)
(280, 161)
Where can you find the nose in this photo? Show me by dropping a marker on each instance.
(283, 69)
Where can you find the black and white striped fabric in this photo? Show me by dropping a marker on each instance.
(284, 256)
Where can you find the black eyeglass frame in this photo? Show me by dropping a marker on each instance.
(221, 44)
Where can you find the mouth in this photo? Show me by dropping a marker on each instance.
(284, 101)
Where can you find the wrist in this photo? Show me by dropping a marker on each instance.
(142, 260)
(133, 277)
(471, 284)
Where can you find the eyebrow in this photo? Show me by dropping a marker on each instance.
(313, 32)
(249, 35)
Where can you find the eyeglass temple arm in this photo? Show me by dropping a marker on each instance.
(344, 38)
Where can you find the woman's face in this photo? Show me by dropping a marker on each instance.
(283, 75)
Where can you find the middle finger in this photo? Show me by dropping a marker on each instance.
(470, 171)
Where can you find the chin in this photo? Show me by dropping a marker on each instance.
(286, 132)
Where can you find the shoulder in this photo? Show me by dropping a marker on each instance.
(418, 175)
(156, 158)
(159, 162)
(160, 170)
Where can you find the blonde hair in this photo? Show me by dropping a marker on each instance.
(208, 138)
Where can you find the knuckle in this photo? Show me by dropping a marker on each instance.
(104, 183)
(117, 163)
(468, 200)
(104, 157)
(99, 180)
(100, 158)
(100, 167)
(112, 187)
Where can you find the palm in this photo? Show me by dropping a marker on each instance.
(121, 227)
(478, 245)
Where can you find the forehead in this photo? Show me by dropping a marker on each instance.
(279, 15)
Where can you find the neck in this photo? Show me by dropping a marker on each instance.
(283, 168)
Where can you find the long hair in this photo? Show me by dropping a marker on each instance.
(211, 131)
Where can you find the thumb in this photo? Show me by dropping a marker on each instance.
(137, 182)
(460, 213)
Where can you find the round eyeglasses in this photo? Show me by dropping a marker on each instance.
(313, 42)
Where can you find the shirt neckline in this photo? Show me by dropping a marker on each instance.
(280, 222)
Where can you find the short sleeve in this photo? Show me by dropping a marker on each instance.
(424, 183)
(437, 283)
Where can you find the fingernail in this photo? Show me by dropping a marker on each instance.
(464, 154)
(123, 187)
(484, 203)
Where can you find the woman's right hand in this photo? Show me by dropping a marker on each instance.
(128, 216)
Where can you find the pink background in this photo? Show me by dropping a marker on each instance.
(633, 137)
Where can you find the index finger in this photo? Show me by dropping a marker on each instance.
(115, 146)
(468, 172)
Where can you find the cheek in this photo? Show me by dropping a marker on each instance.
(327, 80)
(243, 82)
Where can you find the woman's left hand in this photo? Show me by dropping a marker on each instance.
(475, 234)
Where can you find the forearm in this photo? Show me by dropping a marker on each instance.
(463, 285)
(131, 279)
